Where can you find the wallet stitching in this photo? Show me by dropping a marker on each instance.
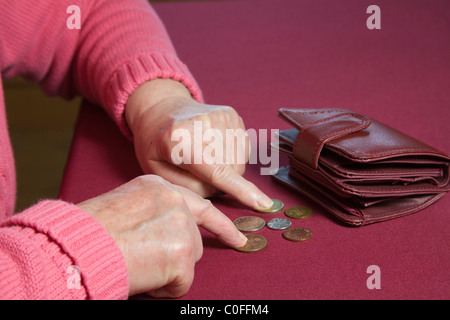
(360, 193)
(355, 172)
(384, 153)
(344, 132)
(310, 112)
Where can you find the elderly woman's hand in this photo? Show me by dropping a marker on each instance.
(159, 110)
(154, 224)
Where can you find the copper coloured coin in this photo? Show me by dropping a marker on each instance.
(254, 243)
(297, 234)
(249, 223)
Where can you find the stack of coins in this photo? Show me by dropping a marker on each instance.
(257, 243)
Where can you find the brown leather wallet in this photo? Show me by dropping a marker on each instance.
(358, 169)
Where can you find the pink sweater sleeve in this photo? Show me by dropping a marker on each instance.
(54, 250)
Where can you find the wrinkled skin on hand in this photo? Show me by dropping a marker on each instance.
(156, 110)
(155, 225)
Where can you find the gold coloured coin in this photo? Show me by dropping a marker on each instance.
(298, 212)
(277, 206)
(254, 243)
(249, 223)
(297, 234)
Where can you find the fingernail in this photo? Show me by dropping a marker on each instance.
(264, 202)
(244, 238)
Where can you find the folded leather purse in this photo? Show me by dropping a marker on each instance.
(358, 169)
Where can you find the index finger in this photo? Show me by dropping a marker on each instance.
(212, 219)
(226, 179)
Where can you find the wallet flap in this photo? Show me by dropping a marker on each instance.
(375, 142)
(318, 127)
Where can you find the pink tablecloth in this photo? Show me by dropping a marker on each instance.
(258, 56)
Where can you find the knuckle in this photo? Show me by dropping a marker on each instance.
(147, 179)
(232, 113)
(228, 109)
(207, 203)
(183, 253)
(140, 180)
(176, 199)
(240, 169)
(185, 246)
(180, 219)
(206, 206)
(219, 174)
(229, 113)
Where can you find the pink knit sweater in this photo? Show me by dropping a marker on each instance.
(53, 250)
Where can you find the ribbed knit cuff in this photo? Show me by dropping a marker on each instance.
(137, 71)
(85, 241)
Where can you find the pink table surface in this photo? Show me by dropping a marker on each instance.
(258, 56)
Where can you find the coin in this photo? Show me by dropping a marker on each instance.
(298, 212)
(276, 207)
(254, 243)
(279, 223)
(297, 234)
(249, 223)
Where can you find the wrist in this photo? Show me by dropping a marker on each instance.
(151, 93)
